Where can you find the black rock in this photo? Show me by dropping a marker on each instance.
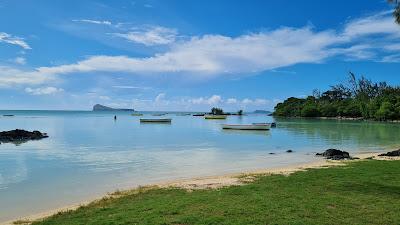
(335, 154)
(289, 151)
(19, 136)
(272, 153)
(392, 153)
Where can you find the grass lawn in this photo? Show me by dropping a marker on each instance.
(364, 192)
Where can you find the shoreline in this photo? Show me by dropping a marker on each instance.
(338, 118)
(206, 182)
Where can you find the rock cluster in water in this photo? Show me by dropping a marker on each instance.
(335, 154)
(392, 153)
(20, 136)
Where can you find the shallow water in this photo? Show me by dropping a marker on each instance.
(89, 154)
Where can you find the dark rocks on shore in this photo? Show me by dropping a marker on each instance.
(20, 136)
(289, 151)
(335, 154)
(392, 153)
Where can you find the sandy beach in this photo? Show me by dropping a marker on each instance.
(211, 182)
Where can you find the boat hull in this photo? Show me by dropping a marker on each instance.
(215, 117)
(246, 126)
(155, 120)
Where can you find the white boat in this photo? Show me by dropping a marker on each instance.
(215, 117)
(259, 126)
(155, 120)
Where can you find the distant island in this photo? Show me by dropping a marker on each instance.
(259, 111)
(357, 99)
(99, 107)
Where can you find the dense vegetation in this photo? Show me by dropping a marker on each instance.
(357, 98)
(365, 192)
(217, 111)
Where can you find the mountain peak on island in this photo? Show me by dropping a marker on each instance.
(99, 107)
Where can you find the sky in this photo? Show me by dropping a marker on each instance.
(188, 55)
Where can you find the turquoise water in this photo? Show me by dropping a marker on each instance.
(89, 154)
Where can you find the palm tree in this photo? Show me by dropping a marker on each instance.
(396, 12)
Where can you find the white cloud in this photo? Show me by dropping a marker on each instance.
(231, 101)
(381, 23)
(161, 102)
(213, 55)
(208, 56)
(43, 90)
(392, 47)
(104, 97)
(213, 100)
(8, 38)
(10, 77)
(255, 102)
(99, 22)
(395, 58)
(150, 36)
(20, 60)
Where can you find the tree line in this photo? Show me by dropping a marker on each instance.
(357, 98)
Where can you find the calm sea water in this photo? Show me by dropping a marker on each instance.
(89, 154)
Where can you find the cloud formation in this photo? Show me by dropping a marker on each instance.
(14, 40)
(150, 36)
(11, 77)
(43, 90)
(204, 57)
(99, 22)
(162, 102)
(20, 60)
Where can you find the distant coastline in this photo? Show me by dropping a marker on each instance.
(99, 107)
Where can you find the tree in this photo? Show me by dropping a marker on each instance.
(359, 97)
(240, 112)
(310, 110)
(396, 12)
(385, 112)
(217, 111)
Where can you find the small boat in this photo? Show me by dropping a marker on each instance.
(273, 124)
(136, 114)
(215, 117)
(8, 115)
(155, 120)
(259, 126)
(198, 114)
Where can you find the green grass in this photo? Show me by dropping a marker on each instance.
(365, 192)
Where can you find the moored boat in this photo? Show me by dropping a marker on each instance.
(136, 114)
(273, 124)
(155, 120)
(258, 126)
(198, 114)
(215, 117)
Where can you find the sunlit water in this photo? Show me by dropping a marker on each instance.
(89, 154)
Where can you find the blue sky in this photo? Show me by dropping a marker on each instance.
(188, 55)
